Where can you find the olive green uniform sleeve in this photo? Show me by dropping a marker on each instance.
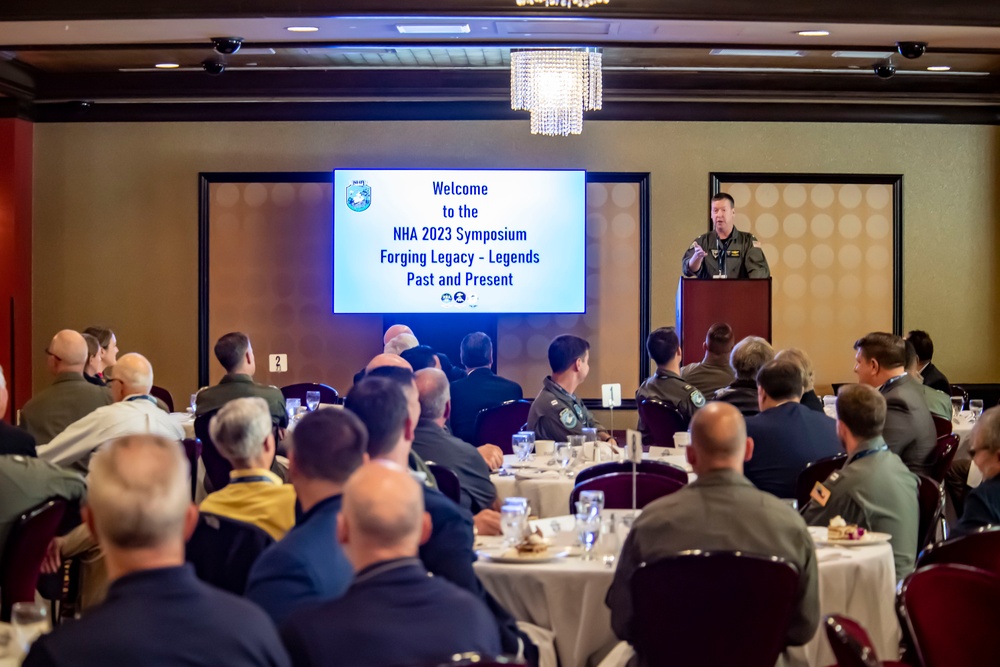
(755, 262)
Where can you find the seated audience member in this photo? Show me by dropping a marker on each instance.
(107, 353)
(13, 440)
(874, 489)
(480, 389)
(93, 370)
(235, 354)
(665, 384)
(308, 566)
(433, 443)
(451, 370)
(420, 357)
(394, 613)
(982, 506)
(27, 482)
(70, 397)
(390, 411)
(909, 430)
(156, 612)
(748, 357)
(133, 412)
(787, 436)
(713, 372)
(924, 347)
(389, 334)
(556, 412)
(400, 344)
(938, 402)
(242, 433)
(720, 511)
(809, 397)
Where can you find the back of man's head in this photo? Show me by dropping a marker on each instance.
(565, 350)
(421, 356)
(394, 331)
(781, 380)
(861, 409)
(434, 391)
(138, 492)
(383, 513)
(231, 350)
(69, 350)
(719, 437)
(400, 343)
(662, 345)
(912, 360)
(986, 432)
(799, 357)
(885, 348)
(385, 360)
(923, 345)
(381, 405)
(329, 445)
(719, 339)
(239, 430)
(749, 355)
(135, 373)
(477, 350)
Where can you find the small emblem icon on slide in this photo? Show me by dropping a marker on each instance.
(459, 297)
(472, 300)
(445, 300)
(359, 196)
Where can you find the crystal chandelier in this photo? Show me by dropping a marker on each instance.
(583, 4)
(556, 86)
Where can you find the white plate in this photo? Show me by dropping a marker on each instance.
(504, 555)
(819, 536)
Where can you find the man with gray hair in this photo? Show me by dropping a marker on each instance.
(982, 506)
(157, 612)
(747, 358)
(400, 344)
(242, 432)
(134, 411)
(434, 444)
(70, 397)
(12, 440)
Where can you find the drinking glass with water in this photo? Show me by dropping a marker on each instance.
(312, 400)
(976, 405)
(292, 406)
(512, 521)
(521, 446)
(30, 621)
(563, 455)
(957, 403)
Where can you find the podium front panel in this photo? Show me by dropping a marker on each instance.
(744, 304)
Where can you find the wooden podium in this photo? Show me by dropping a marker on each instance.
(744, 304)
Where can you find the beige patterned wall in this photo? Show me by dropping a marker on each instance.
(829, 246)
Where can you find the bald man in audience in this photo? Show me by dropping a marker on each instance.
(720, 511)
(389, 334)
(70, 397)
(242, 432)
(157, 612)
(134, 411)
(394, 613)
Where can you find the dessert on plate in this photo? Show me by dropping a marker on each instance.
(532, 545)
(841, 530)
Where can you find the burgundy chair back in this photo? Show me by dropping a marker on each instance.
(163, 395)
(980, 549)
(327, 394)
(662, 420)
(952, 615)
(27, 543)
(447, 481)
(192, 450)
(495, 426)
(930, 498)
(941, 425)
(817, 471)
(617, 488)
(223, 550)
(850, 643)
(217, 468)
(944, 453)
(680, 616)
(652, 467)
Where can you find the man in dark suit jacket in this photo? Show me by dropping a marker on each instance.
(909, 428)
(12, 440)
(924, 347)
(157, 613)
(480, 389)
(982, 507)
(787, 435)
(393, 613)
(748, 356)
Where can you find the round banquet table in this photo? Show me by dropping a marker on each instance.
(545, 487)
(11, 654)
(962, 427)
(566, 596)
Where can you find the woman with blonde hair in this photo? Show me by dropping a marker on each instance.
(809, 397)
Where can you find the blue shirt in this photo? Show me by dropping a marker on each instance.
(982, 507)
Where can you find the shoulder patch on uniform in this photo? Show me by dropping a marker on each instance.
(820, 494)
(754, 241)
(567, 418)
(578, 410)
(698, 399)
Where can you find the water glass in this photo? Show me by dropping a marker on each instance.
(591, 502)
(563, 455)
(194, 404)
(512, 522)
(957, 403)
(530, 437)
(312, 400)
(589, 434)
(588, 528)
(521, 445)
(976, 405)
(30, 621)
(520, 503)
(292, 406)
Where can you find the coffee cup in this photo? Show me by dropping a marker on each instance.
(682, 439)
(545, 447)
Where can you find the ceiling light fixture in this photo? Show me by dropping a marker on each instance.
(866, 55)
(167, 65)
(433, 29)
(758, 53)
(581, 4)
(302, 28)
(938, 68)
(813, 33)
(556, 86)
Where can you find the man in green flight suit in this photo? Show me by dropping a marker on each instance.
(664, 347)
(725, 252)
(235, 354)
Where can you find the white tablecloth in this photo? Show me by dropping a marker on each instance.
(10, 653)
(186, 421)
(962, 427)
(567, 597)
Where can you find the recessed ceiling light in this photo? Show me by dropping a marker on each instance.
(761, 53)
(167, 65)
(302, 28)
(813, 33)
(938, 68)
(867, 55)
(433, 29)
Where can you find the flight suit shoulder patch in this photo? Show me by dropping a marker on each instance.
(567, 418)
(698, 399)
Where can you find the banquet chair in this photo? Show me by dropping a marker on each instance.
(958, 390)
(930, 498)
(851, 644)
(163, 395)
(496, 425)
(447, 481)
(26, 545)
(662, 420)
(942, 455)
(652, 467)
(327, 394)
(817, 471)
(942, 426)
(617, 488)
(192, 451)
(980, 549)
(222, 551)
(217, 468)
(684, 614)
(951, 613)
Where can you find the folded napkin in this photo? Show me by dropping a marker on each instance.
(537, 474)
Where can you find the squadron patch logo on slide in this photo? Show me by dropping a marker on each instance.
(359, 196)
